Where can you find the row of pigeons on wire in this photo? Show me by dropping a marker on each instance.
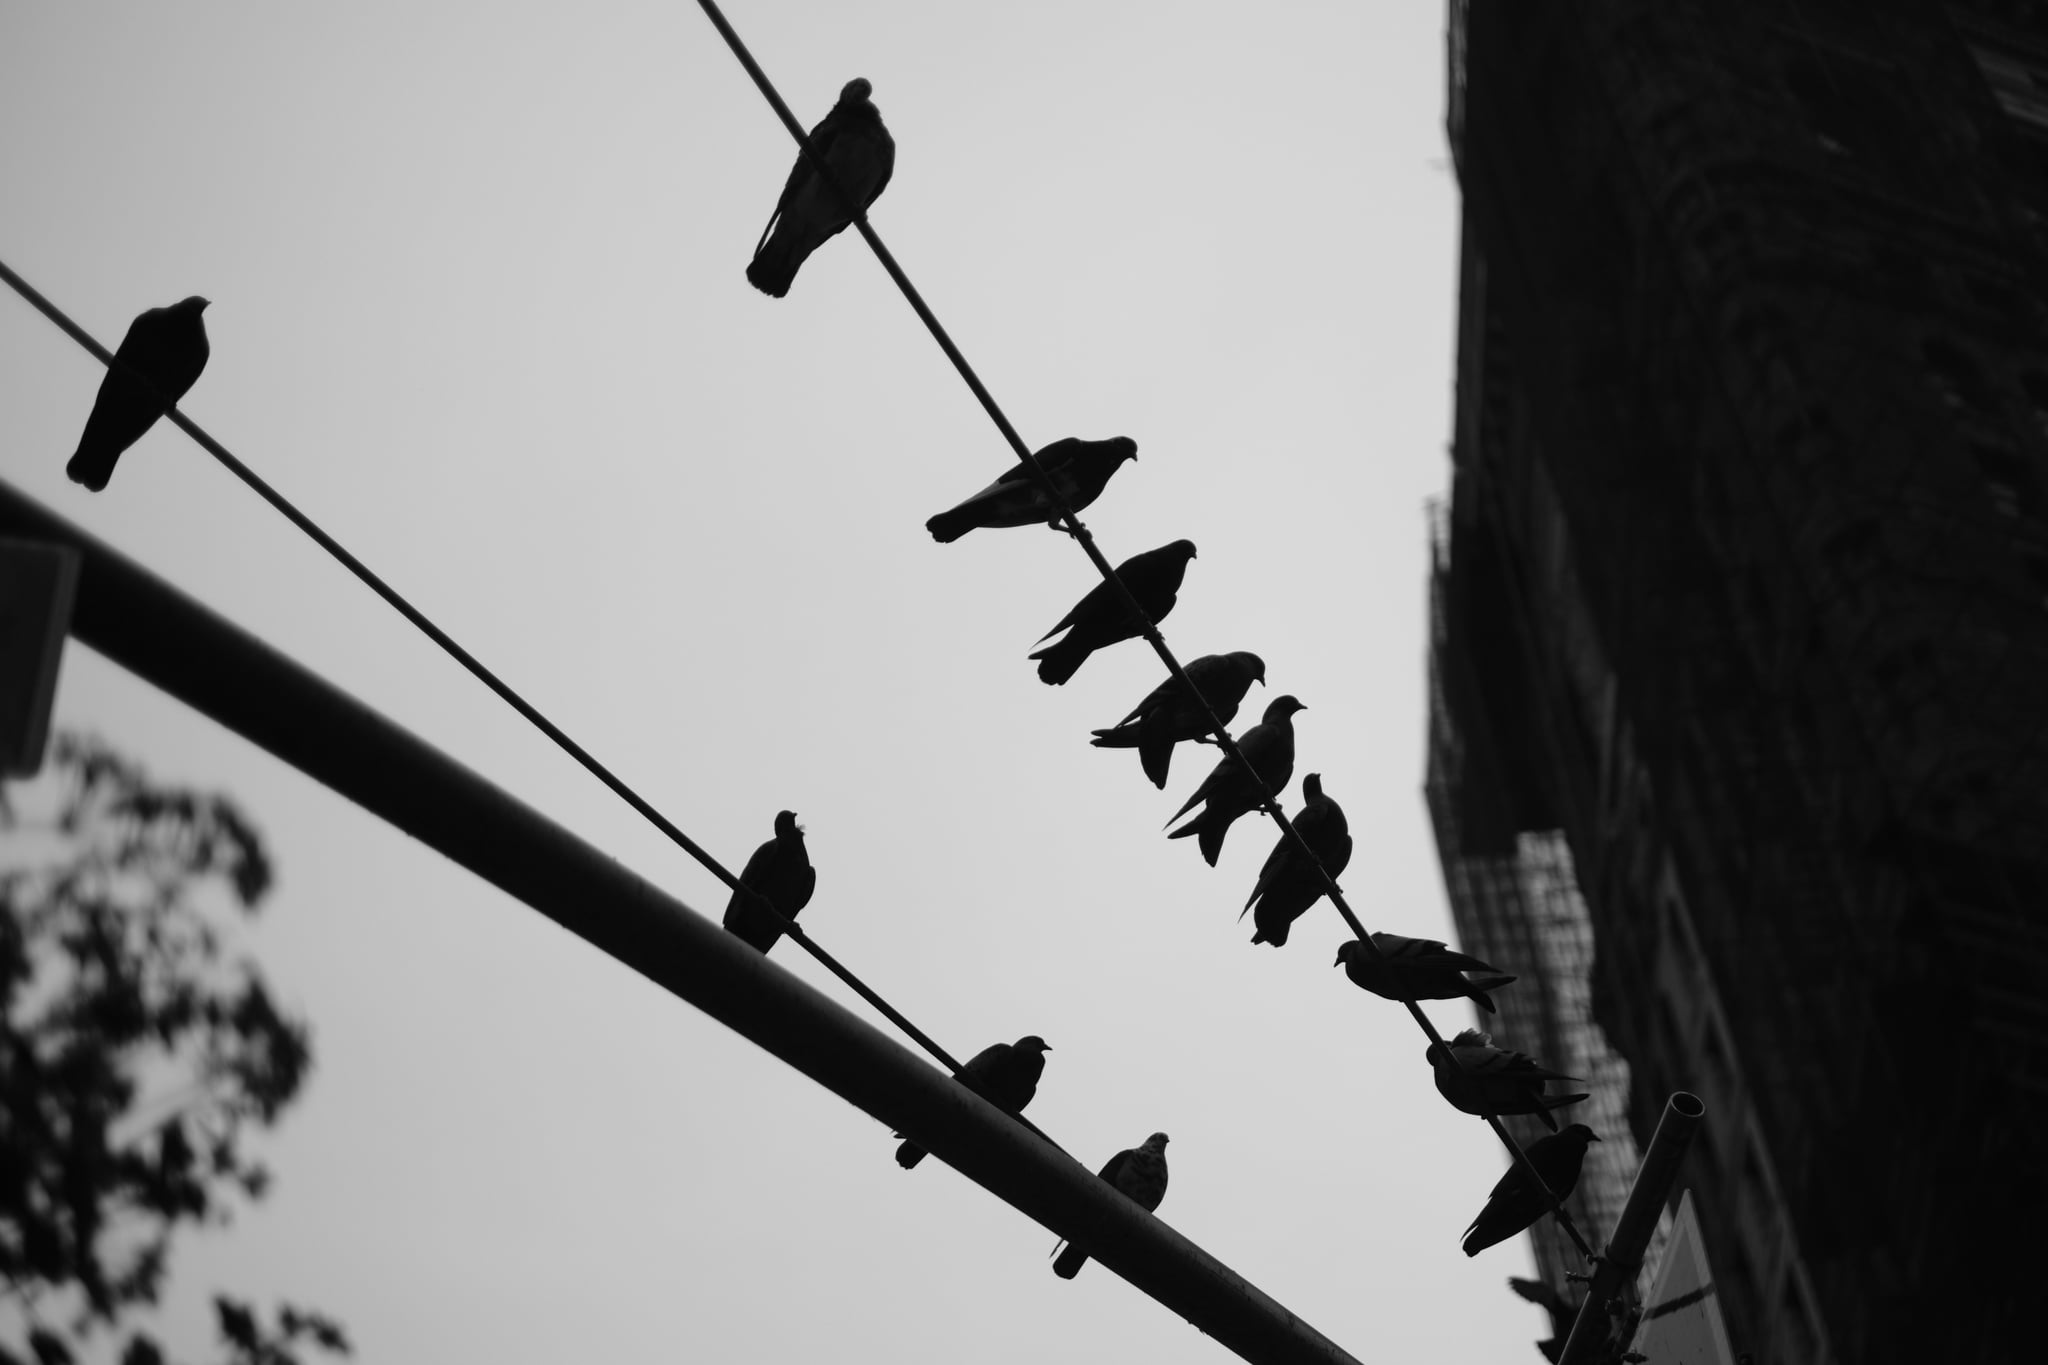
(165, 350)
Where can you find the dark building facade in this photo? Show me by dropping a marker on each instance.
(1739, 734)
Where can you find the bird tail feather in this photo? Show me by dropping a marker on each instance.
(909, 1154)
(775, 264)
(1069, 1262)
(92, 470)
(1156, 758)
(949, 526)
(1117, 737)
(1057, 662)
(1479, 986)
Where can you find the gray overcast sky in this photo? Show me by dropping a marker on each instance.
(478, 307)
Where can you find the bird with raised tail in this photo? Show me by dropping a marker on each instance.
(1484, 1079)
(858, 154)
(1290, 883)
(1169, 715)
(1230, 789)
(166, 348)
(779, 871)
(1139, 1174)
(1516, 1201)
(1102, 618)
(1419, 969)
(1079, 471)
(1004, 1074)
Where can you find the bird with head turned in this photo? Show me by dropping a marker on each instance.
(780, 874)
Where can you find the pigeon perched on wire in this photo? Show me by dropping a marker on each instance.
(1290, 883)
(1139, 1174)
(858, 154)
(781, 871)
(1230, 790)
(1101, 618)
(1516, 1203)
(1079, 470)
(1490, 1080)
(1419, 969)
(1169, 715)
(1004, 1074)
(167, 350)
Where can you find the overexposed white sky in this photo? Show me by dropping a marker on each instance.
(478, 307)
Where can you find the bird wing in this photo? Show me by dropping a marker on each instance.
(1113, 1169)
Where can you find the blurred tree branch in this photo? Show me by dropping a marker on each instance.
(135, 1052)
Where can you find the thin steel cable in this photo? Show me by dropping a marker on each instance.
(1072, 524)
(484, 675)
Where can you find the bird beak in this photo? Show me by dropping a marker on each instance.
(1594, 1136)
(1340, 959)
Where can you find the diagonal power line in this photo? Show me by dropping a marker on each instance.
(1072, 524)
(488, 678)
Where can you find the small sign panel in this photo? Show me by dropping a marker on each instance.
(1681, 1322)
(37, 583)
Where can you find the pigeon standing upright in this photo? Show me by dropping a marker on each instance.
(1419, 969)
(1230, 790)
(1289, 883)
(781, 871)
(1004, 1074)
(1079, 470)
(1169, 715)
(166, 348)
(859, 156)
(1516, 1203)
(1486, 1079)
(1101, 618)
(1139, 1174)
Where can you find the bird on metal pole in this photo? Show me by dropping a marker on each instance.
(1004, 1074)
(1139, 1174)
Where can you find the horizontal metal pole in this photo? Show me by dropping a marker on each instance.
(1623, 1258)
(171, 641)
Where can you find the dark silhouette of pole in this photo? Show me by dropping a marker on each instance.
(173, 642)
(1623, 1259)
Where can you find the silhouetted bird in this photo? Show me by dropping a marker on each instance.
(1563, 1312)
(1004, 1074)
(1139, 1174)
(1231, 791)
(859, 154)
(1101, 619)
(165, 346)
(1169, 715)
(1419, 969)
(1495, 1080)
(1516, 1202)
(1079, 469)
(779, 870)
(1289, 883)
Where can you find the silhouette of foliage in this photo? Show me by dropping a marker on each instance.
(135, 1053)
